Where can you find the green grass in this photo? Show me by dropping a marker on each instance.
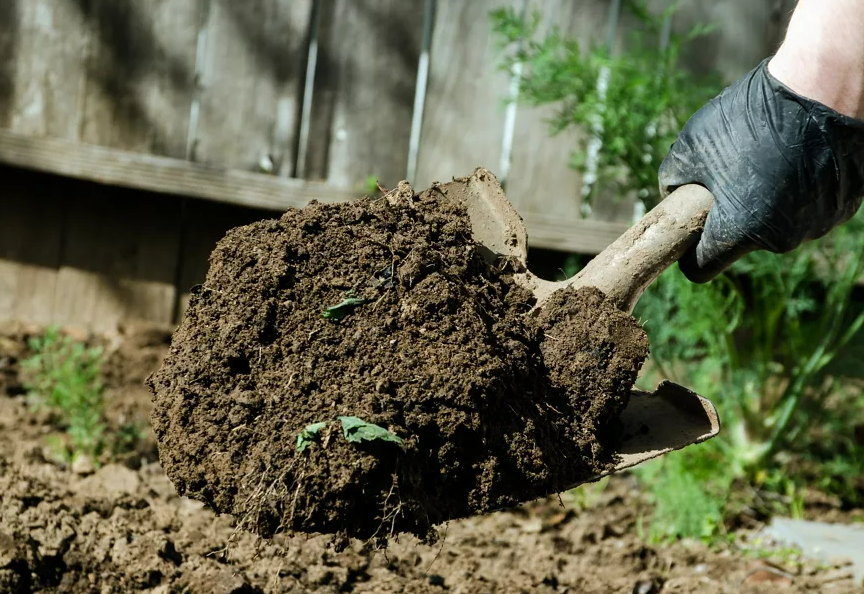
(64, 377)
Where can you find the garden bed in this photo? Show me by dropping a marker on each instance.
(123, 528)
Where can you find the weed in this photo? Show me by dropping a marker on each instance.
(338, 312)
(357, 430)
(64, 377)
(370, 185)
(637, 113)
(689, 489)
(354, 429)
(760, 340)
(308, 435)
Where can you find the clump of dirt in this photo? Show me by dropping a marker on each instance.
(430, 342)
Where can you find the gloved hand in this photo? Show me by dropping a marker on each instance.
(783, 170)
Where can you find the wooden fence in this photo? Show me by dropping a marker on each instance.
(134, 133)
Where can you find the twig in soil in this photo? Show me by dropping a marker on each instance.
(441, 548)
(296, 493)
(380, 299)
(553, 408)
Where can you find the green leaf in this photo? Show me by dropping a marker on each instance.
(357, 430)
(334, 313)
(308, 435)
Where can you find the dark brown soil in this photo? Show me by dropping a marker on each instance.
(124, 529)
(494, 407)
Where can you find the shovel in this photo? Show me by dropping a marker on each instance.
(655, 423)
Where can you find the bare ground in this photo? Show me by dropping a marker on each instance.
(123, 528)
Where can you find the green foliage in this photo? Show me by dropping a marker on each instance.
(759, 341)
(764, 340)
(370, 185)
(308, 435)
(356, 430)
(636, 114)
(587, 495)
(338, 312)
(64, 377)
(689, 489)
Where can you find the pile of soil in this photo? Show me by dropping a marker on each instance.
(494, 407)
(124, 529)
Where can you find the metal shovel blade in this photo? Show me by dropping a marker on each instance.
(668, 419)
(656, 423)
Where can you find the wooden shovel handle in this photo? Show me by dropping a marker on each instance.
(633, 261)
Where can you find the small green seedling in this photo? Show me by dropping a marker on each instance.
(308, 435)
(356, 430)
(65, 377)
(337, 312)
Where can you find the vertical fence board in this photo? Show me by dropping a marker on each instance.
(741, 40)
(121, 254)
(50, 38)
(541, 179)
(119, 257)
(9, 27)
(207, 224)
(30, 244)
(41, 92)
(368, 55)
(140, 73)
(464, 116)
(252, 83)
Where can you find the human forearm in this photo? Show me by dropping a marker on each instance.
(822, 57)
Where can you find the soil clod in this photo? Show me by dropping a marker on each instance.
(383, 310)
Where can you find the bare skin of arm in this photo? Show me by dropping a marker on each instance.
(822, 57)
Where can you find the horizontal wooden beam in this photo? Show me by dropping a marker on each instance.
(183, 178)
(162, 174)
(567, 235)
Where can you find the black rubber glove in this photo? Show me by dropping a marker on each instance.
(783, 170)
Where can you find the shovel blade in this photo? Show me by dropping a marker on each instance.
(656, 423)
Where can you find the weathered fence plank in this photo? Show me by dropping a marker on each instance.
(368, 56)
(50, 37)
(30, 245)
(119, 260)
(541, 179)
(251, 83)
(161, 174)
(206, 224)
(463, 121)
(140, 69)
